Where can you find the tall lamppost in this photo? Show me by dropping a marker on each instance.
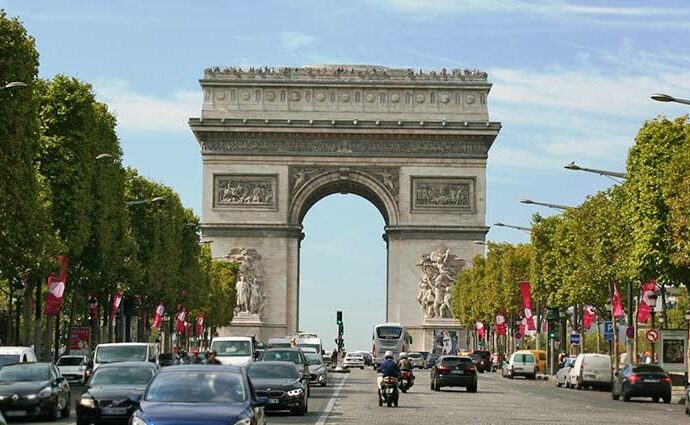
(13, 85)
(613, 175)
(155, 200)
(662, 97)
(545, 204)
(524, 229)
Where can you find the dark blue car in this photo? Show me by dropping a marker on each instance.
(201, 395)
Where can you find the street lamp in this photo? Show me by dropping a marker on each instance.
(13, 85)
(661, 97)
(146, 201)
(574, 167)
(524, 229)
(105, 156)
(544, 204)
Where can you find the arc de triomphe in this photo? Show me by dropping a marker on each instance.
(276, 141)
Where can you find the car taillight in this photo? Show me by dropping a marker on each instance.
(666, 379)
(634, 379)
(472, 369)
(442, 368)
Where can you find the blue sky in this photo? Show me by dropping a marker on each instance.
(571, 83)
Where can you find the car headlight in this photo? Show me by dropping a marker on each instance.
(294, 393)
(87, 401)
(45, 392)
(245, 421)
(138, 421)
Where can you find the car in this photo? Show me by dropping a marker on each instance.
(454, 371)
(368, 358)
(106, 394)
(431, 360)
(234, 350)
(10, 355)
(73, 368)
(353, 360)
(523, 363)
(33, 389)
(564, 371)
(425, 356)
(642, 380)
(281, 383)
(126, 352)
(484, 361)
(165, 359)
(219, 394)
(540, 356)
(318, 373)
(506, 369)
(292, 355)
(416, 360)
(591, 370)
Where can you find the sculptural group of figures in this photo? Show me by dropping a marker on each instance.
(348, 71)
(244, 192)
(249, 294)
(439, 270)
(443, 194)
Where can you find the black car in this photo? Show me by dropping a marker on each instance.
(454, 371)
(106, 396)
(431, 360)
(292, 355)
(282, 383)
(165, 359)
(483, 358)
(33, 389)
(642, 380)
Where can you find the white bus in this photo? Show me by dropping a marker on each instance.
(389, 337)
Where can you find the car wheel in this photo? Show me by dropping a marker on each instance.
(66, 410)
(558, 383)
(323, 384)
(472, 388)
(389, 402)
(615, 396)
(626, 397)
(667, 400)
(55, 413)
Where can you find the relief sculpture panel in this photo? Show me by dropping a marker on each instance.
(442, 194)
(242, 191)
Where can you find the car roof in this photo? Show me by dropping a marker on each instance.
(273, 362)
(284, 349)
(127, 364)
(203, 368)
(14, 350)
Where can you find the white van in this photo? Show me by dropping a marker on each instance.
(9, 355)
(234, 350)
(126, 352)
(523, 363)
(591, 370)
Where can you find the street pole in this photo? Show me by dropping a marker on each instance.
(538, 344)
(630, 341)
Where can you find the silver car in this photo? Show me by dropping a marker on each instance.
(318, 373)
(564, 371)
(416, 360)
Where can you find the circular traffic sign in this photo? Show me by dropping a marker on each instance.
(630, 332)
(652, 335)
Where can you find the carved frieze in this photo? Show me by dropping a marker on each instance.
(443, 194)
(389, 177)
(245, 191)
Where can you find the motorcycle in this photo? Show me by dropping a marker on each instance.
(406, 380)
(388, 393)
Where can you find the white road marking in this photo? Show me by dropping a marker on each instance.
(331, 403)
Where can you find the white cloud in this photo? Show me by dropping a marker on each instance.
(294, 40)
(143, 112)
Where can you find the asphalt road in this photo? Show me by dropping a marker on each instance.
(351, 399)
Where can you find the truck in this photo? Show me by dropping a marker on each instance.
(234, 350)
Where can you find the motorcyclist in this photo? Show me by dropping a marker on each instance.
(387, 368)
(404, 362)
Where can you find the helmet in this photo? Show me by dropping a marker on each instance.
(388, 355)
(402, 355)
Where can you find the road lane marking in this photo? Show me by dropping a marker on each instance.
(331, 403)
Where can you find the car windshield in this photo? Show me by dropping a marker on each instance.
(121, 353)
(455, 361)
(261, 370)
(389, 332)
(122, 376)
(70, 361)
(313, 359)
(414, 356)
(317, 348)
(282, 356)
(197, 387)
(232, 348)
(6, 359)
(645, 368)
(25, 372)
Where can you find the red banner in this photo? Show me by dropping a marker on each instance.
(647, 301)
(589, 317)
(56, 289)
(92, 303)
(526, 292)
(115, 306)
(481, 332)
(617, 302)
(200, 325)
(80, 339)
(522, 328)
(179, 320)
(501, 323)
(157, 321)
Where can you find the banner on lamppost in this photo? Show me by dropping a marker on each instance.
(56, 289)
(647, 301)
(180, 320)
(526, 292)
(501, 323)
(115, 306)
(589, 317)
(617, 302)
(157, 321)
(481, 332)
(200, 325)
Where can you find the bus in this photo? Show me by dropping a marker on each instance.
(389, 337)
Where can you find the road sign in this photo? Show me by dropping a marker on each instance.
(630, 332)
(575, 339)
(518, 335)
(652, 335)
(608, 330)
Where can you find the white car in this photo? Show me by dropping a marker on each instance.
(522, 363)
(73, 368)
(591, 370)
(353, 360)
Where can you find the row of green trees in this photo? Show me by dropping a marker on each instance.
(57, 198)
(633, 232)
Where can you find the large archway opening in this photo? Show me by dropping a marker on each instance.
(343, 267)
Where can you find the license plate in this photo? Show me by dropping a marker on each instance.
(15, 413)
(112, 411)
(457, 372)
(652, 380)
(273, 401)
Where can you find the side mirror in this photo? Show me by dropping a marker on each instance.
(60, 379)
(260, 402)
(135, 398)
(255, 355)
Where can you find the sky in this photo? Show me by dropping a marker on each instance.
(571, 82)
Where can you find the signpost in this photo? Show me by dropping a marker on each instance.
(608, 330)
(652, 335)
(630, 332)
(575, 339)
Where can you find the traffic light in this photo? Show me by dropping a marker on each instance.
(339, 317)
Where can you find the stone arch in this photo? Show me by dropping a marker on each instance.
(338, 180)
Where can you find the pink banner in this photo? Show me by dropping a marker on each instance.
(157, 321)
(647, 301)
(200, 325)
(56, 289)
(115, 306)
(180, 319)
(617, 302)
(526, 293)
(589, 317)
(481, 332)
(501, 323)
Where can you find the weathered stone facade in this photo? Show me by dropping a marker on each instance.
(276, 141)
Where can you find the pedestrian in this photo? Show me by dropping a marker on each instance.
(195, 359)
(212, 358)
(334, 357)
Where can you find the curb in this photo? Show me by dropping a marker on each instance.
(542, 377)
